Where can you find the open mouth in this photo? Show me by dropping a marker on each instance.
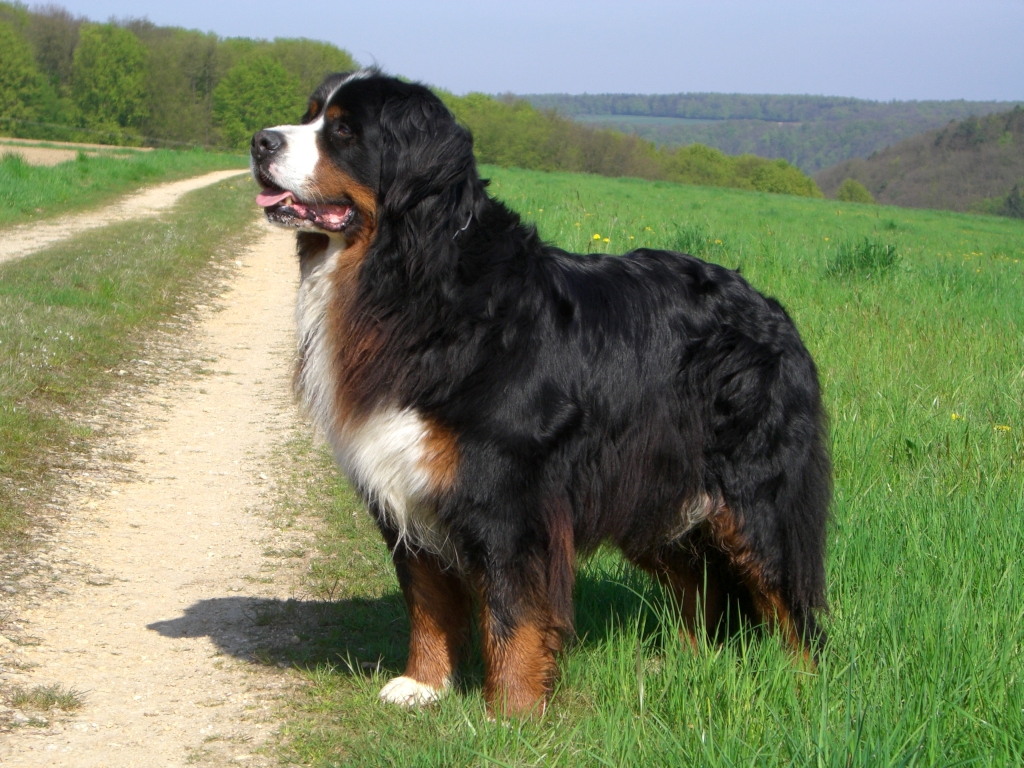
(282, 208)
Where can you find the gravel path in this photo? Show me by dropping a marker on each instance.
(158, 575)
(27, 238)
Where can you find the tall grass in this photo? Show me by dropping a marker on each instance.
(30, 192)
(923, 375)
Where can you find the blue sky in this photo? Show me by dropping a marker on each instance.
(875, 49)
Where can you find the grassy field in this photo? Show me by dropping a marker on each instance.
(72, 316)
(30, 192)
(916, 319)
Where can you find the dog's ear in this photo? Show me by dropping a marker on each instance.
(425, 152)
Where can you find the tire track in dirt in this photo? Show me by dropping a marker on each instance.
(159, 630)
(24, 239)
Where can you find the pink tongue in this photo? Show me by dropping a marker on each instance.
(271, 196)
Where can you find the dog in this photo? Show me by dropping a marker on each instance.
(504, 407)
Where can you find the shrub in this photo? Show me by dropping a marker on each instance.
(781, 178)
(852, 191)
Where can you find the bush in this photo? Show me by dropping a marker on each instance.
(781, 178)
(852, 191)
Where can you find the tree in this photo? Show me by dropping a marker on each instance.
(309, 61)
(1014, 205)
(255, 93)
(852, 191)
(53, 33)
(23, 89)
(108, 81)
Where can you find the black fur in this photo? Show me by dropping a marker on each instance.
(593, 397)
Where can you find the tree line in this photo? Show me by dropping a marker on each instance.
(63, 77)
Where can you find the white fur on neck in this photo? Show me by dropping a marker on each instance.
(383, 452)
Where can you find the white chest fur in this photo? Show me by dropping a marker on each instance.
(383, 453)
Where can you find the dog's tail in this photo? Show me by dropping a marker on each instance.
(774, 472)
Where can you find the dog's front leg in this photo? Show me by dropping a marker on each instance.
(440, 608)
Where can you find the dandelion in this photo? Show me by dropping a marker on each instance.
(1002, 427)
(826, 239)
(540, 210)
(718, 242)
(630, 237)
(597, 237)
(607, 240)
(648, 229)
(957, 417)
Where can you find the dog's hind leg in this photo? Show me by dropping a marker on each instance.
(769, 602)
(519, 655)
(440, 609)
(696, 592)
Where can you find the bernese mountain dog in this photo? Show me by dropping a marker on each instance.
(505, 407)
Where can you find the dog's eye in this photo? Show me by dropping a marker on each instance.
(343, 130)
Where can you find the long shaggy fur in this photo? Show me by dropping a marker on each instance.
(558, 401)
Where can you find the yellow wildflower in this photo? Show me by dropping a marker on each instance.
(597, 237)
(607, 240)
(957, 416)
(1003, 427)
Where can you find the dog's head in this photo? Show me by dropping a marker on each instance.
(370, 148)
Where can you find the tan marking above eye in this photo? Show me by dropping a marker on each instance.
(334, 112)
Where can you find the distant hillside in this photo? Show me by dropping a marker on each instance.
(972, 164)
(812, 132)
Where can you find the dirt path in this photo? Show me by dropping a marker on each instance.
(164, 572)
(27, 238)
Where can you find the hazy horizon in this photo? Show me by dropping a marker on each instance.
(909, 50)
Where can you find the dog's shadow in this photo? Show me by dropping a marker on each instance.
(362, 636)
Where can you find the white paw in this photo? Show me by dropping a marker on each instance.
(409, 693)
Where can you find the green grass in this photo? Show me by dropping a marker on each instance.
(923, 374)
(47, 697)
(31, 192)
(73, 315)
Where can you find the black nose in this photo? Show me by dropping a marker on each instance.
(266, 143)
